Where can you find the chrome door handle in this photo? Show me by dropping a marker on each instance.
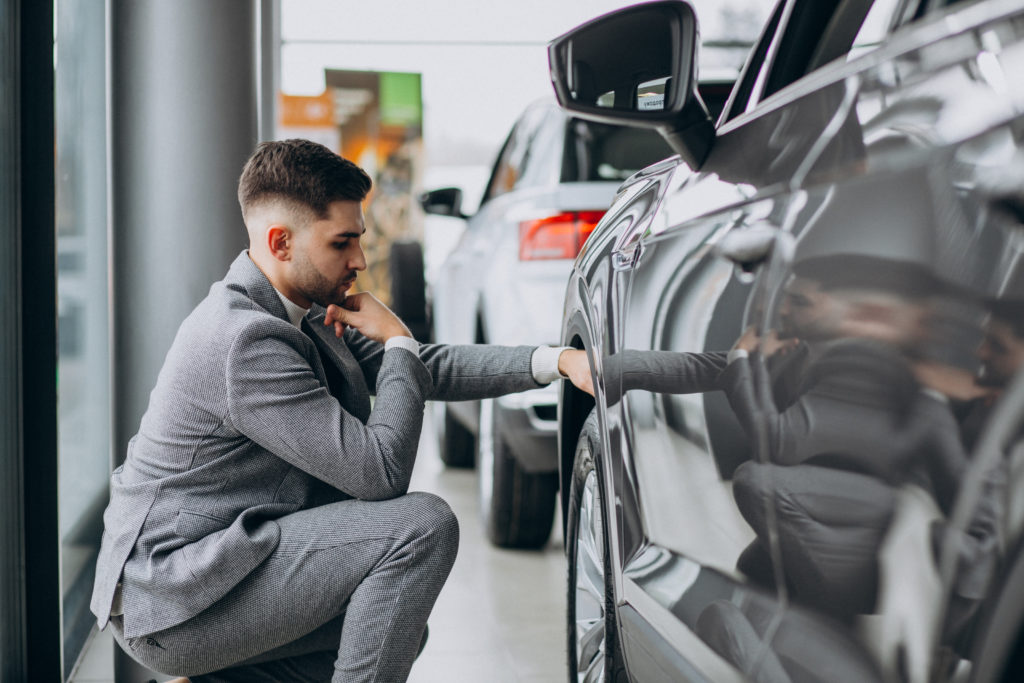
(626, 259)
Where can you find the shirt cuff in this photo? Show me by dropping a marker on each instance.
(407, 343)
(544, 363)
(735, 354)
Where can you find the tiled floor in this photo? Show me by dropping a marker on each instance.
(500, 617)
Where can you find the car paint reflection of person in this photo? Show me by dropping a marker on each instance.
(854, 412)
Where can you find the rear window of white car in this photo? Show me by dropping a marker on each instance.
(596, 152)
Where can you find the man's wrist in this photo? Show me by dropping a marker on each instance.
(736, 354)
(401, 341)
(544, 363)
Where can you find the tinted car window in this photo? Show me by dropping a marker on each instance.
(795, 52)
(842, 28)
(843, 37)
(595, 152)
(936, 4)
(753, 67)
(884, 17)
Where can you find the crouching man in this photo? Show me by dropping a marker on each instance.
(260, 528)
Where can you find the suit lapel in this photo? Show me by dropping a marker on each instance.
(354, 394)
(351, 391)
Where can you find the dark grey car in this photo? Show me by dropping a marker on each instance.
(803, 460)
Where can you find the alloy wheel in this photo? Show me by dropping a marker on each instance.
(590, 585)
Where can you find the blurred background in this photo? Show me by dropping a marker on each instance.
(423, 94)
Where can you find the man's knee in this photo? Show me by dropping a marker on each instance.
(434, 521)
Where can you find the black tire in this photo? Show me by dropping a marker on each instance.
(456, 444)
(408, 288)
(592, 601)
(517, 507)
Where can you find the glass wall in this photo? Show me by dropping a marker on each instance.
(82, 304)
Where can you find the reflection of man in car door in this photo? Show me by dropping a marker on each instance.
(844, 423)
(858, 425)
(996, 518)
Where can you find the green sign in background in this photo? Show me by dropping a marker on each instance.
(401, 103)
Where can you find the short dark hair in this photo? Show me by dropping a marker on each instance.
(302, 172)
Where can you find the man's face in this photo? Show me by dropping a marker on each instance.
(1001, 354)
(326, 255)
(807, 312)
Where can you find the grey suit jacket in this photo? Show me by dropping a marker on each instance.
(241, 429)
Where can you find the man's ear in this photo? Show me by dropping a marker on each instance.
(279, 242)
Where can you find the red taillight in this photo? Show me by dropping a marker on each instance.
(556, 237)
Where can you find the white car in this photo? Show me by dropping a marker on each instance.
(504, 284)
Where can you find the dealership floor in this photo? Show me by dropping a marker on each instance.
(500, 617)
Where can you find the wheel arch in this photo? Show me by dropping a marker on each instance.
(574, 406)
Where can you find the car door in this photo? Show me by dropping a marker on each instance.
(898, 275)
(693, 456)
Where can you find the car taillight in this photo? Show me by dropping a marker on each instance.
(556, 237)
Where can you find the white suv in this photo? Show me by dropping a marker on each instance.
(504, 283)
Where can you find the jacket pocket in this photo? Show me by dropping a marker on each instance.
(196, 525)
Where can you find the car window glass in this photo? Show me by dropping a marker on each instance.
(846, 23)
(806, 36)
(820, 31)
(595, 152)
(515, 155)
(875, 26)
(500, 181)
(884, 17)
(939, 4)
(749, 76)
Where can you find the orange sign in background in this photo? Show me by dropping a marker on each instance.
(374, 119)
(301, 111)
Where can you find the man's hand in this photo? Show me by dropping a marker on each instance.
(748, 341)
(365, 312)
(956, 383)
(769, 345)
(574, 365)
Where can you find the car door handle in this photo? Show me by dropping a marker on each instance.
(748, 247)
(627, 258)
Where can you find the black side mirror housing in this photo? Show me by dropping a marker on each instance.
(637, 67)
(446, 201)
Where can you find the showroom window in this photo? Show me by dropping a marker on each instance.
(83, 373)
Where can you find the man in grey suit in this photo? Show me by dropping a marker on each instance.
(261, 528)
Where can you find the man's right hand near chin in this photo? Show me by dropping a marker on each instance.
(365, 312)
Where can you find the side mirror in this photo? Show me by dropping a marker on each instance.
(444, 202)
(637, 66)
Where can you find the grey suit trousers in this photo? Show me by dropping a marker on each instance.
(344, 597)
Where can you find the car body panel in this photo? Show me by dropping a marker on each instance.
(884, 156)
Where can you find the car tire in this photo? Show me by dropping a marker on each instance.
(408, 287)
(592, 642)
(455, 443)
(517, 507)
